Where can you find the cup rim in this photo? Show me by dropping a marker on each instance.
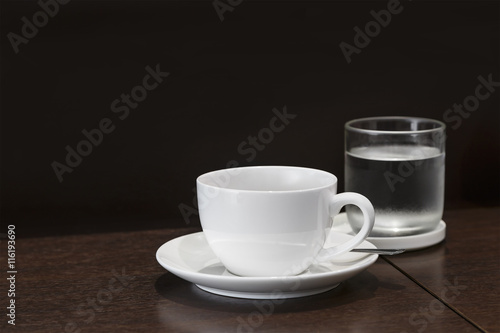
(334, 179)
(349, 125)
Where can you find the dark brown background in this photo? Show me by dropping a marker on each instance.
(225, 79)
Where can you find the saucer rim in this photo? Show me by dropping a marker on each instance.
(267, 295)
(262, 287)
(265, 278)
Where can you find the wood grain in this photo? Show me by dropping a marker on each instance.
(111, 282)
(464, 270)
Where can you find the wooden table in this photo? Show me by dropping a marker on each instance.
(111, 282)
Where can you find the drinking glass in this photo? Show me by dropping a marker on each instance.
(398, 163)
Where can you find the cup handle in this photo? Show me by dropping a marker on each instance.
(337, 202)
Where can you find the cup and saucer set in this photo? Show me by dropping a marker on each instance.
(275, 232)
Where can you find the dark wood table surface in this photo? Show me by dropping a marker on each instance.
(111, 282)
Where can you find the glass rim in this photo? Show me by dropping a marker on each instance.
(349, 125)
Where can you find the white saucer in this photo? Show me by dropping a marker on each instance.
(410, 243)
(190, 258)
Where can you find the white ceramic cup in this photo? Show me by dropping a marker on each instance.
(274, 220)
